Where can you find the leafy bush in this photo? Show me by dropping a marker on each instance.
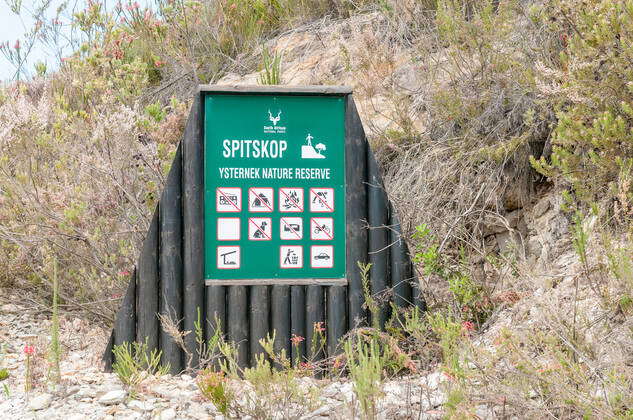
(593, 94)
(134, 363)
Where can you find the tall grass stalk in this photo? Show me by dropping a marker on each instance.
(54, 351)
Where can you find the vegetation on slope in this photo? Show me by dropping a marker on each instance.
(512, 98)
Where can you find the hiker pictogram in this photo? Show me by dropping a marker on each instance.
(228, 257)
(260, 229)
(322, 200)
(322, 228)
(260, 200)
(290, 200)
(228, 200)
(291, 256)
(308, 151)
(228, 229)
(321, 256)
(291, 228)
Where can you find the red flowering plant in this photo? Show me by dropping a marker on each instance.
(29, 351)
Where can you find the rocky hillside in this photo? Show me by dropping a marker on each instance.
(504, 130)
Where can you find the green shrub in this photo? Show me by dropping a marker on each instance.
(592, 91)
(134, 363)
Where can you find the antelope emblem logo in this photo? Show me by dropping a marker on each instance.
(274, 120)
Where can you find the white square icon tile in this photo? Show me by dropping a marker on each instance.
(291, 200)
(228, 200)
(321, 256)
(260, 200)
(321, 228)
(228, 229)
(228, 257)
(291, 256)
(291, 228)
(322, 200)
(260, 229)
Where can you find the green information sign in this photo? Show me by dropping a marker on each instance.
(274, 187)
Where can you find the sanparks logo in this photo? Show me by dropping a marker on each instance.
(274, 119)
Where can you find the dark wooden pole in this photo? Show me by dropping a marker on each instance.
(336, 318)
(148, 285)
(125, 322)
(237, 322)
(402, 295)
(298, 321)
(260, 309)
(378, 238)
(356, 209)
(170, 268)
(315, 313)
(108, 357)
(193, 229)
(280, 318)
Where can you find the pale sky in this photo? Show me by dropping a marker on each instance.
(14, 27)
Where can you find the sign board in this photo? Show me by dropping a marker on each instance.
(274, 185)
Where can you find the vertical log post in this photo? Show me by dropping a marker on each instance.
(314, 314)
(193, 229)
(298, 321)
(260, 309)
(170, 268)
(356, 209)
(147, 290)
(280, 317)
(125, 322)
(336, 318)
(378, 238)
(237, 322)
(402, 296)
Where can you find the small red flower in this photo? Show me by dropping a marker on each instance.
(124, 273)
(29, 349)
(306, 365)
(319, 327)
(468, 326)
(17, 44)
(296, 339)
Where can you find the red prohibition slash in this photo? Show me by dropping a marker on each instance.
(229, 200)
(291, 229)
(318, 227)
(295, 202)
(252, 190)
(321, 200)
(259, 229)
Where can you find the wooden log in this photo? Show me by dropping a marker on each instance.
(125, 322)
(260, 309)
(336, 318)
(402, 294)
(280, 318)
(215, 311)
(148, 284)
(237, 322)
(193, 229)
(108, 357)
(356, 210)
(378, 210)
(170, 263)
(315, 316)
(298, 321)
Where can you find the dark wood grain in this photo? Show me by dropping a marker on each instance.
(193, 227)
(378, 210)
(356, 210)
(237, 322)
(259, 325)
(148, 285)
(170, 262)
